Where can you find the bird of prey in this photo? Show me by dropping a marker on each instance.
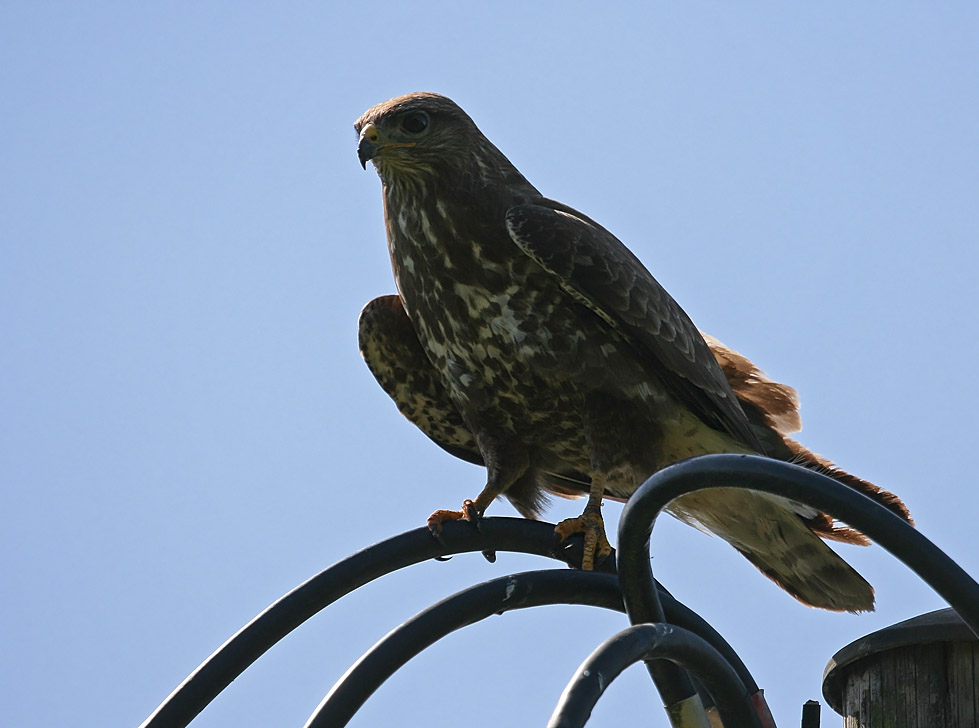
(527, 338)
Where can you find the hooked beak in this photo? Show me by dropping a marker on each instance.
(372, 143)
(366, 151)
(368, 145)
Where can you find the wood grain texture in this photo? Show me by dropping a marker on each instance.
(933, 685)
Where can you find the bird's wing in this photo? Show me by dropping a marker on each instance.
(594, 267)
(395, 357)
(777, 403)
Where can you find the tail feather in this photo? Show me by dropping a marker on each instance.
(780, 544)
(813, 461)
(858, 597)
(773, 411)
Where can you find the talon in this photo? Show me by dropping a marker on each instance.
(591, 525)
(469, 513)
(436, 520)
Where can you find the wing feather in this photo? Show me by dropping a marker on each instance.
(398, 362)
(594, 267)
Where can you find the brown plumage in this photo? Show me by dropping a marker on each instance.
(527, 338)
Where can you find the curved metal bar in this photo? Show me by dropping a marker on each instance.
(679, 614)
(287, 613)
(654, 642)
(753, 472)
(516, 591)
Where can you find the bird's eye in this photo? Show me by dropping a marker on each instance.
(415, 123)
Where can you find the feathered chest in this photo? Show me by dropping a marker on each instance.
(489, 318)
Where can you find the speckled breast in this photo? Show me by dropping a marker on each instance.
(516, 352)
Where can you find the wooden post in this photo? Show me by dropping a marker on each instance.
(920, 673)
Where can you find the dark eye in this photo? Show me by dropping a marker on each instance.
(415, 123)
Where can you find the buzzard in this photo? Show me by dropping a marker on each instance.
(527, 338)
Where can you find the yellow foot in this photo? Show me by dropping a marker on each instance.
(589, 523)
(468, 512)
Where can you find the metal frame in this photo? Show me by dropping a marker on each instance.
(691, 665)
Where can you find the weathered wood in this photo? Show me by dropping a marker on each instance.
(923, 673)
(963, 672)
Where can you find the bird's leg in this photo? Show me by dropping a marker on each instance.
(504, 466)
(591, 524)
(608, 435)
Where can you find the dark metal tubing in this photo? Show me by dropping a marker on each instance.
(516, 591)
(679, 614)
(654, 642)
(291, 610)
(343, 577)
(394, 650)
(753, 472)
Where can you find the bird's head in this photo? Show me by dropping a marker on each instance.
(413, 134)
(424, 135)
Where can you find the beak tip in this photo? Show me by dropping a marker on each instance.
(365, 152)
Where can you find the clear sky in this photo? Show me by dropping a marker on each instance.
(188, 430)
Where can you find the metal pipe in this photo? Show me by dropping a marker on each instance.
(287, 613)
(654, 642)
(753, 472)
(394, 650)
(516, 591)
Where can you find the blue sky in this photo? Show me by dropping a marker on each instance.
(188, 430)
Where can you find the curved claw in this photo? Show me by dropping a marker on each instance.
(469, 512)
(592, 526)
